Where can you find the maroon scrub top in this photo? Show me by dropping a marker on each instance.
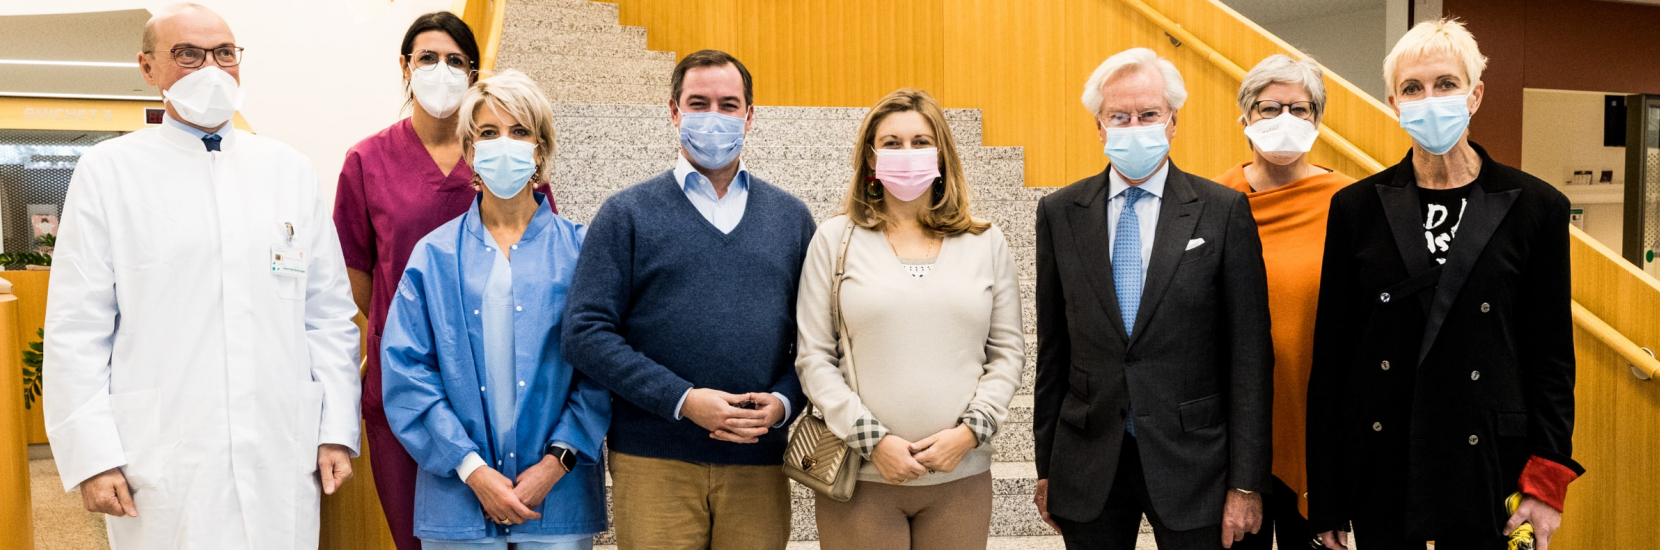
(392, 194)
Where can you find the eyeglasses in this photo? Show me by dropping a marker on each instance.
(426, 60)
(191, 57)
(1147, 117)
(1269, 109)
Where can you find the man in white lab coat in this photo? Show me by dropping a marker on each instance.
(202, 380)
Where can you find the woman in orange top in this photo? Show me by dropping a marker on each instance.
(1282, 100)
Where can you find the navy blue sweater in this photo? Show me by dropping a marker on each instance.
(663, 302)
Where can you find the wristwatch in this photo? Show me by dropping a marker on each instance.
(567, 457)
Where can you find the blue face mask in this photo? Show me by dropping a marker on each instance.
(1437, 123)
(711, 139)
(1136, 151)
(505, 165)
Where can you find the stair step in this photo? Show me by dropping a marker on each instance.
(582, 59)
(581, 13)
(623, 40)
(522, 26)
(588, 92)
(553, 68)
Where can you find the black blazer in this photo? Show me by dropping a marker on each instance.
(1432, 385)
(1199, 367)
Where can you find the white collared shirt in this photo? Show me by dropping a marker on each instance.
(722, 212)
(1146, 209)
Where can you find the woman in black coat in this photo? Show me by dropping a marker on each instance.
(1443, 371)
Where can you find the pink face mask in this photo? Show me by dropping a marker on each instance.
(907, 173)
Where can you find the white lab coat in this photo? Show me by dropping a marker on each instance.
(174, 352)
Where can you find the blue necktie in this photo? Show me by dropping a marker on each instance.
(1126, 259)
(1126, 272)
(211, 141)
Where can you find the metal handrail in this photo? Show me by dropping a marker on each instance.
(1185, 38)
(1643, 363)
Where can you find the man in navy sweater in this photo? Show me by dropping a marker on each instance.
(684, 306)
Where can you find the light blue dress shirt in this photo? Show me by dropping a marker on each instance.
(1146, 210)
(722, 212)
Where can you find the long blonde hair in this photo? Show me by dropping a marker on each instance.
(947, 213)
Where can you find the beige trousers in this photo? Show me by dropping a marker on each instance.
(661, 504)
(949, 516)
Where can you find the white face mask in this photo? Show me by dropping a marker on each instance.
(1282, 139)
(438, 88)
(206, 98)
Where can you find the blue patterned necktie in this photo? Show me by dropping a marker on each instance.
(211, 141)
(1126, 259)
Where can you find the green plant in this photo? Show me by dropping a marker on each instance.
(25, 258)
(48, 240)
(34, 362)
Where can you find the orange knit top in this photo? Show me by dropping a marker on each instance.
(1291, 219)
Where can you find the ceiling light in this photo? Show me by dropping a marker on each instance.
(124, 65)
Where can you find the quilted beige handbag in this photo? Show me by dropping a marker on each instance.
(815, 457)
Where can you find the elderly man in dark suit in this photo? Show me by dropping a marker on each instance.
(1154, 374)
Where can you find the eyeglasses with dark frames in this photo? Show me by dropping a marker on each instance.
(1269, 108)
(191, 57)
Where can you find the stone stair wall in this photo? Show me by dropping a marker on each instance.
(612, 130)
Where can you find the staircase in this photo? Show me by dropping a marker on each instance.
(612, 130)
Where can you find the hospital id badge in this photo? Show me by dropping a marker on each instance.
(287, 261)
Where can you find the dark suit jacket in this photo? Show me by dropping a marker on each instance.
(1479, 350)
(1199, 368)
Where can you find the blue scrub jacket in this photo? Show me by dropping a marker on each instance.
(432, 361)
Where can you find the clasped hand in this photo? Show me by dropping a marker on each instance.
(718, 412)
(511, 502)
(900, 461)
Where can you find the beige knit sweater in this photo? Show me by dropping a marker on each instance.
(926, 349)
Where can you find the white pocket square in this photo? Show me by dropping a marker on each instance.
(1195, 243)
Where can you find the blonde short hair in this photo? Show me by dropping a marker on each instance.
(947, 213)
(1439, 36)
(1280, 68)
(1126, 62)
(518, 95)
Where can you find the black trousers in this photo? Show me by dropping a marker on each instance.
(1280, 518)
(1120, 521)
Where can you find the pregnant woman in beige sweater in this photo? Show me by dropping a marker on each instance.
(932, 311)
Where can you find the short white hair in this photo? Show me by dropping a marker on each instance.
(1438, 36)
(1280, 68)
(1127, 62)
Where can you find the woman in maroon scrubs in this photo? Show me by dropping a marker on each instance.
(397, 186)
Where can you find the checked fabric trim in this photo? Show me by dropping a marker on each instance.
(867, 431)
(980, 423)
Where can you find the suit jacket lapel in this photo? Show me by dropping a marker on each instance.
(1406, 221)
(1481, 218)
(1179, 211)
(1093, 245)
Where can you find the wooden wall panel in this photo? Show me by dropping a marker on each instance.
(1023, 64)
(1617, 421)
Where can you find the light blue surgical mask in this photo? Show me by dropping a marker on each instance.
(712, 139)
(1136, 151)
(505, 164)
(1436, 123)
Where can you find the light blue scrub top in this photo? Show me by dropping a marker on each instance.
(498, 373)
